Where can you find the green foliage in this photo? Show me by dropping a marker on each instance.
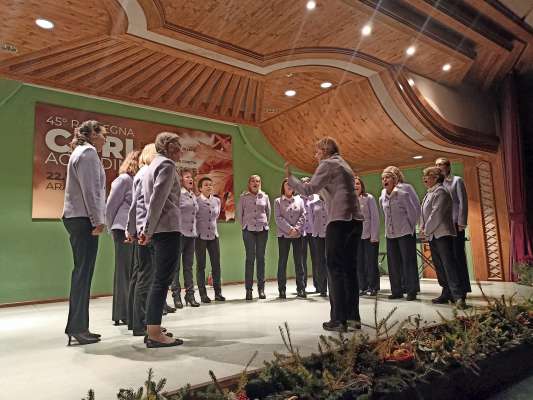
(524, 270)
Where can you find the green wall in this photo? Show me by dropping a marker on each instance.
(35, 258)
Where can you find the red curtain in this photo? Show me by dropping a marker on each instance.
(521, 249)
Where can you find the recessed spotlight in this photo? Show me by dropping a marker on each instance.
(410, 50)
(326, 85)
(411, 82)
(290, 93)
(446, 67)
(289, 75)
(311, 5)
(400, 85)
(44, 23)
(367, 30)
(418, 157)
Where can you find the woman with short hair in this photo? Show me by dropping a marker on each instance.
(253, 213)
(84, 220)
(334, 179)
(117, 209)
(367, 261)
(289, 211)
(437, 226)
(161, 189)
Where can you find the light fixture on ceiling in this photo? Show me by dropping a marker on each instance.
(289, 75)
(446, 67)
(418, 157)
(44, 23)
(290, 93)
(410, 50)
(367, 30)
(411, 82)
(326, 85)
(311, 5)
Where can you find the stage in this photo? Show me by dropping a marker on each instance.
(222, 337)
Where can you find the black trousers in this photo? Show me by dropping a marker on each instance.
(460, 255)
(144, 270)
(166, 259)
(185, 257)
(318, 258)
(84, 249)
(342, 241)
(133, 283)
(255, 247)
(446, 267)
(284, 246)
(213, 248)
(306, 244)
(367, 265)
(402, 263)
(124, 253)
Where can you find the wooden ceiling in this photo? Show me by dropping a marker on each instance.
(234, 60)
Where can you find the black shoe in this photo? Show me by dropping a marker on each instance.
(121, 322)
(249, 295)
(372, 293)
(191, 301)
(362, 292)
(219, 297)
(411, 297)
(94, 335)
(261, 293)
(395, 296)
(301, 294)
(177, 303)
(282, 294)
(334, 326)
(205, 299)
(440, 300)
(82, 339)
(151, 344)
(323, 294)
(169, 309)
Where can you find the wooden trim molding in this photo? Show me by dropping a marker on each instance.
(489, 216)
(442, 128)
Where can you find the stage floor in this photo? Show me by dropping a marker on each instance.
(222, 337)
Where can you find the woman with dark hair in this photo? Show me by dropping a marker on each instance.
(161, 191)
(84, 219)
(289, 211)
(436, 226)
(367, 261)
(117, 209)
(253, 213)
(188, 210)
(334, 179)
(400, 222)
(207, 240)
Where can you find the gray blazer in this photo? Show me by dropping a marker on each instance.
(188, 211)
(119, 202)
(137, 212)
(369, 209)
(85, 186)
(319, 217)
(207, 217)
(253, 211)
(436, 220)
(456, 187)
(161, 190)
(400, 213)
(334, 179)
(289, 213)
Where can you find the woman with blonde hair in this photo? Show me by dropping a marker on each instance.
(117, 210)
(253, 213)
(142, 273)
(84, 220)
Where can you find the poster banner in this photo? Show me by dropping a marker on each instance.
(207, 153)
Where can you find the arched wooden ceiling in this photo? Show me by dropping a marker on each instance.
(234, 60)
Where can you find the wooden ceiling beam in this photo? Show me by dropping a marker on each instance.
(215, 98)
(251, 93)
(200, 101)
(172, 80)
(133, 86)
(160, 79)
(184, 84)
(196, 88)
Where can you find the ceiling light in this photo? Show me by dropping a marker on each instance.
(410, 50)
(311, 5)
(326, 85)
(44, 23)
(367, 30)
(411, 82)
(446, 67)
(418, 157)
(290, 93)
